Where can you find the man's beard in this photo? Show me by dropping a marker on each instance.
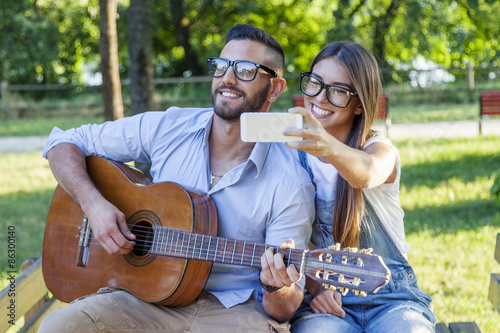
(254, 104)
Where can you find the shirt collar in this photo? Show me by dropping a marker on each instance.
(259, 155)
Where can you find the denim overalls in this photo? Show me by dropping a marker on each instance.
(399, 306)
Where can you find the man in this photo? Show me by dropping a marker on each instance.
(262, 195)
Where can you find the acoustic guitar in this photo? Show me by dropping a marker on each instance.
(176, 245)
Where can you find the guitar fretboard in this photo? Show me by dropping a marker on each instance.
(189, 245)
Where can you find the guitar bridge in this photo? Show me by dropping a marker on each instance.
(83, 243)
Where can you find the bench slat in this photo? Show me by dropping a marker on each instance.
(490, 103)
(32, 325)
(466, 327)
(29, 289)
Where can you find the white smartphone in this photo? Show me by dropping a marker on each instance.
(268, 126)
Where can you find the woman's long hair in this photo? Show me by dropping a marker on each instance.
(363, 70)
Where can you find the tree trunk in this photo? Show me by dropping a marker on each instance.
(382, 27)
(140, 55)
(141, 63)
(183, 36)
(108, 48)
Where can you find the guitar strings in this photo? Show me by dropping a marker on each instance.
(179, 249)
(241, 259)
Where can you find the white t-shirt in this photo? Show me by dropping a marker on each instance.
(383, 198)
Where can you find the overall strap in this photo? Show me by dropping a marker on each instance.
(305, 164)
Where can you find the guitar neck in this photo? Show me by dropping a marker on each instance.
(189, 245)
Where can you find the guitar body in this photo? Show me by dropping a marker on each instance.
(72, 269)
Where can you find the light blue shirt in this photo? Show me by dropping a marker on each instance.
(265, 200)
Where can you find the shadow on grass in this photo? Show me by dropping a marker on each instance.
(467, 168)
(453, 217)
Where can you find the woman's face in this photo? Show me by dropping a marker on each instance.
(335, 120)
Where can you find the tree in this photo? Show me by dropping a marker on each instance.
(140, 58)
(140, 55)
(447, 32)
(108, 48)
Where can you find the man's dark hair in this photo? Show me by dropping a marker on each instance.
(249, 32)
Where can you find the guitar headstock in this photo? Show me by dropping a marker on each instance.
(349, 268)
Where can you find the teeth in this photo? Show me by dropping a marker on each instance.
(320, 112)
(228, 94)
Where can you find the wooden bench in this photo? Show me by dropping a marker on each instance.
(33, 302)
(465, 327)
(27, 299)
(382, 112)
(489, 105)
(494, 291)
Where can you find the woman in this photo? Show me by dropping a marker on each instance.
(356, 172)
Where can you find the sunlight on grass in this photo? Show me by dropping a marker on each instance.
(455, 269)
(451, 224)
(25, 173)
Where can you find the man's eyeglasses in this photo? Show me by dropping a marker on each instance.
(243, 69)
(336, 95)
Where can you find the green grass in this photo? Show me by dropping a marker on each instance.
(426, 113)
(42, 126)
(451, 221)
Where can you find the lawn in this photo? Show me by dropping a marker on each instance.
(451, 219)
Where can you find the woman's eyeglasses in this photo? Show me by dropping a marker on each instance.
(243, 69)
(336, 95)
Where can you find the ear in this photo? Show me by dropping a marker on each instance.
(278, 86)
(359, 109)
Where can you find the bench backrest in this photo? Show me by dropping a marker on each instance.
(490, 103)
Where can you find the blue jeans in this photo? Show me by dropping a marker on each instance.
(397, 316)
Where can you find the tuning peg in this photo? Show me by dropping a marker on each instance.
(335, 247)
(367, 251)
(359, 293)
(343, 290)
(329, 286)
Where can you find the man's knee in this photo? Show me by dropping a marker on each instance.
(67, 319)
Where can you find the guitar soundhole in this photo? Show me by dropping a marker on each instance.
(144, 233)
(142, 223)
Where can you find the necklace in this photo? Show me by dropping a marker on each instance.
(212, 178)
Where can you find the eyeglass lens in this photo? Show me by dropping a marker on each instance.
(244, 70)
(336, 95)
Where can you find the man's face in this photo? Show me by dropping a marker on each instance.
(232, 96)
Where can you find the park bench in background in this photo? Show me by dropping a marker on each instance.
(32, 299)
(489, 102)
(382, 112)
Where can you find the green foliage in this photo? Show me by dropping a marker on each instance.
(57, 41)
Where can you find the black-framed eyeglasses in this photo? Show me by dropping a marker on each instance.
(336, 95)
(243, 69)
